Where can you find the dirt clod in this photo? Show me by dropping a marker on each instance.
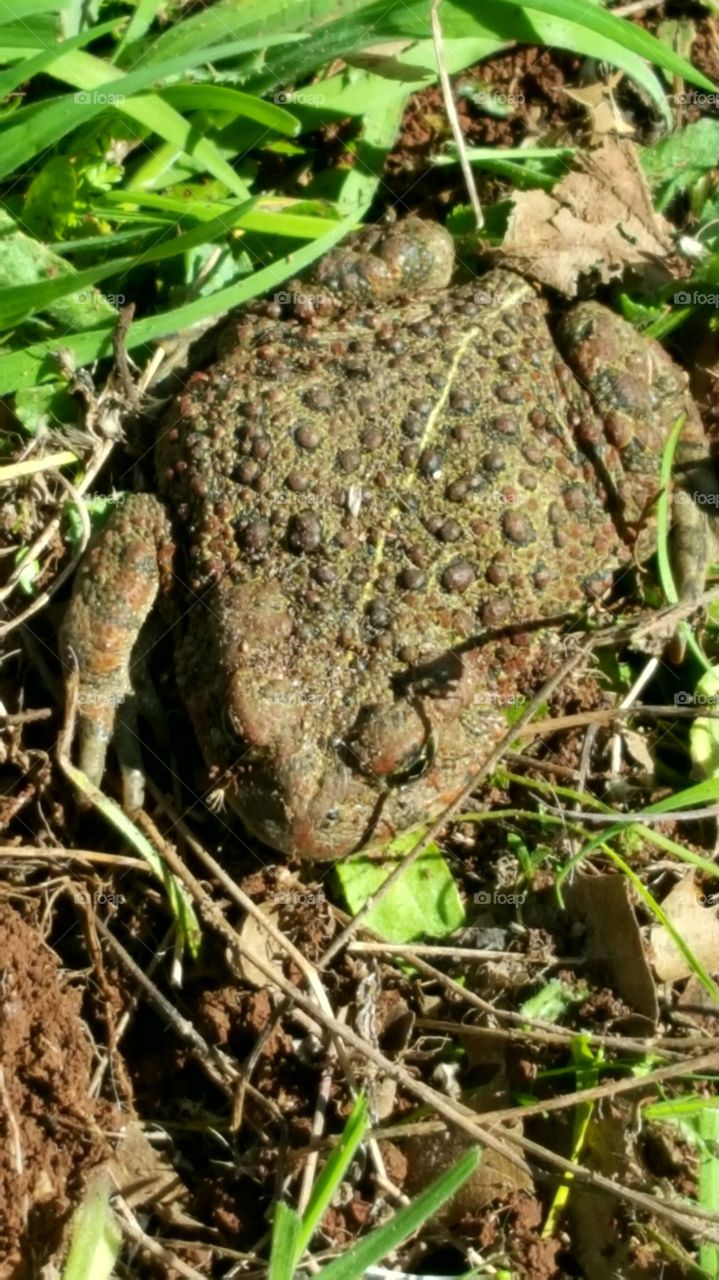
(46, 1114)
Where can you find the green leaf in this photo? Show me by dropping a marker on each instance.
(424, 902)
(22, 39)
(343, 94)
(178, 899)
(553, 1000)
(50, 199)
(216, 22)
(30, 571)
(143, 16)
(27, 264)
(352, 95)
(23, 299)
(93, 77)
(251, 215)
(46, 407)
(675, 163)
(704, 731)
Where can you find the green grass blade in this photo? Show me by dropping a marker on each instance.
(227, 18)
(355, 1261)
(213, 97)
(22, 300)
(92, 75)
(96, 1238)
(29, 67)
(660, 915)
(31, 130)
(333, 1173)
(341, 94)
(142, 19)
(285, 1233)
(634, 38)
(12, 10)
(708, 1191)
(162, 119)
(294, 226)
(37, 363)
(19, 301)
(179, 901)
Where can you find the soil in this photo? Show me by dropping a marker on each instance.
(50, 1132)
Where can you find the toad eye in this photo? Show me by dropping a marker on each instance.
(415, 766)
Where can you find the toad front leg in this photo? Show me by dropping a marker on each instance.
(114, 591)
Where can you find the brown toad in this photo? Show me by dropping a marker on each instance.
(364, 505)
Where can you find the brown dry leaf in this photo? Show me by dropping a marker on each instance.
(496, 1178)
(599, 102)
(695, 998)
(638, 748)
(145, 1178)
(599, 220)
(613, 936)
(610, 1148)
(697, 924)
(257, 941)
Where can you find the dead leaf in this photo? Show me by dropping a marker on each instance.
(598, 221)
(144, 1177)
(696, 923)
(256, 941)
(613, 936)
(496, 1177)
(599, 102)
(638, 747)
(610, 1148)
(695, 998)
